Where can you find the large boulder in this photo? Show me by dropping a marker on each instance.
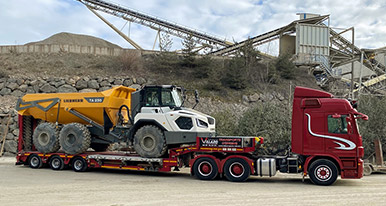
(10, 146)
(81, 84)
(5, 91)
(93, 84)
(47, 88)
(66, 89)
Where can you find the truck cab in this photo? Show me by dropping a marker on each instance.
(325, 128)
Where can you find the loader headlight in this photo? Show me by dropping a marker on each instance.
(201, 123)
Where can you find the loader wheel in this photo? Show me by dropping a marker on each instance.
(27, 133)
(45, 138)
(99, 147)
(56, 163)
(35, 162)
(149, 141)
(323, 172)
(74, 138)
(237, 170)
(205, 168)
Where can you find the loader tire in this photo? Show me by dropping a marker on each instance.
(27, 133)
(99, 147)
(45, 138)
(74, 138)
(149, 141)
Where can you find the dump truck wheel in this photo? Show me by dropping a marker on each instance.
(149, 141)
(99, 147)
(56, 163)
(27, 132)
(323, 172)
(45, 138)
(75, 138)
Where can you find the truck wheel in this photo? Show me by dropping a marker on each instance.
(27, 133)
(75, 138)
(205, 168)
(149, 141)
(323, 172)
(79, 164)
(99, 147)
(56, 163)
(35, 161)
(45, 138)
(236, 170)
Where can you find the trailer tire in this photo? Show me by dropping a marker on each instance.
(56, 163)
(35, 162)
(367, 170)
(45, 138)
(236, 170)
(149, 141)
(323, 172)
(79, 164)
(205, 168)
(75, 138)
(97, 147)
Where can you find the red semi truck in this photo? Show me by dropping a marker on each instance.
(325, 144)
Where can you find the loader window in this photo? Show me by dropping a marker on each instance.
(151, 98)
(337, 125)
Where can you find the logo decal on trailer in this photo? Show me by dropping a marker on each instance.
(351, 145)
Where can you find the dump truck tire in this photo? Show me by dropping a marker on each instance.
(149, 141)
(99, 147)
(27, 133)
(74, 138)
(45, 138)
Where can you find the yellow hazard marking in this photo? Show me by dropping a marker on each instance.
(123, 168)
(171, 161)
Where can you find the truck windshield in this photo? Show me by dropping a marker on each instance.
(171, 98)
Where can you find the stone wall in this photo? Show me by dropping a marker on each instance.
(11, 89)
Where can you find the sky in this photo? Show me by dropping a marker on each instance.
(23, 21)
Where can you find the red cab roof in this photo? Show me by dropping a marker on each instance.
(303, 92)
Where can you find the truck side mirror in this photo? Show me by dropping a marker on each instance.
(196, 96)
(336, 116)
(349, 126)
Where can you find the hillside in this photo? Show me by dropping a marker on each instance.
(75, 39)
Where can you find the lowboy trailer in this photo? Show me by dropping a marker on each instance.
(325, 144)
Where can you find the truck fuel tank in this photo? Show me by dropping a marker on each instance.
(266, 167)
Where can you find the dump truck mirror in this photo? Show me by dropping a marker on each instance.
(196, 96)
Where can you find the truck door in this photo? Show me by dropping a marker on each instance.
(314, 125)
(339, 140)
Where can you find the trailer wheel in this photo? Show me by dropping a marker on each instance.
(45, 138)
(99, 147)
(149, 141)
(79, 164)
(367, 170)
(323, 172)
(75, 138)
(56, 163)
(236, 170)
(35, 161)
(205, 168)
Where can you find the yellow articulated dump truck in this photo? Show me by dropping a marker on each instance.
(150, 120)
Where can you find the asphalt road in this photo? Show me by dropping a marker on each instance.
(20, 185)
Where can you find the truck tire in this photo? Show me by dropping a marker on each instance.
(45, 138)
(35, 162)
(75, 138)
(205, 168)
(99, 147)
(323, 172)
(149, 141)
(27, 133)
(56, 163)
(236, 170)
(367, 170)
(79, 164)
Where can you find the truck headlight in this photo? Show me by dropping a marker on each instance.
(201, 123)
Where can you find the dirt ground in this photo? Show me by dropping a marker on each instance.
(20, 185)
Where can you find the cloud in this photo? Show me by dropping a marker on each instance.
(238, 20)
